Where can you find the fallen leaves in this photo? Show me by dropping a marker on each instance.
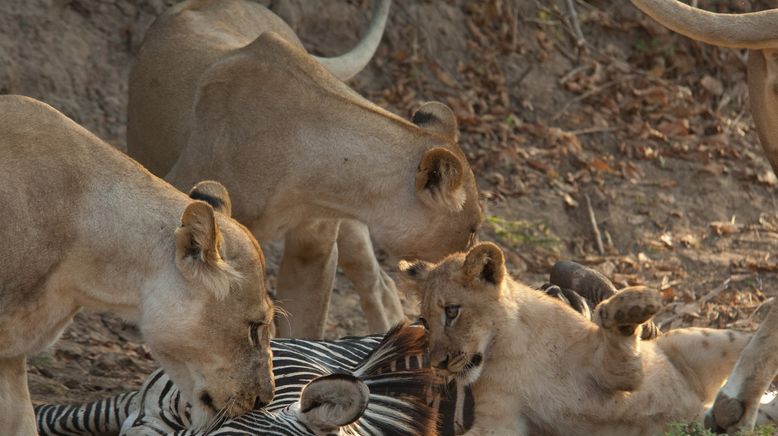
(712, 85)
(652, 114)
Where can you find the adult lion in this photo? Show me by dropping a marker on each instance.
(536, 366)
(225, 91)
(85, 226)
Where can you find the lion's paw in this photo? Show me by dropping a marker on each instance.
(725, 414)
(629, 308)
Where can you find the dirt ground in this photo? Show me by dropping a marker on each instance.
(645, 130)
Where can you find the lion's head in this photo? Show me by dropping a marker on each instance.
(213, 335)
(446, 217)
(461, 306)
(410, 182)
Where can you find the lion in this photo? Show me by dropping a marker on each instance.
(225, 91)
(737, 405)
(84, 226)
(536, 366)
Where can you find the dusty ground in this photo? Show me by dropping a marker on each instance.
(653, 129)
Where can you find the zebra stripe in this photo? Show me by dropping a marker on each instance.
(394, 368)
(103, 417)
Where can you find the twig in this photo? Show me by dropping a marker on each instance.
(690, 308)
(524, 74)
(572, 73)
(714, 292)
(593, 222)
(608, 239)
(583, 96)
(595, 129)
(580, 40)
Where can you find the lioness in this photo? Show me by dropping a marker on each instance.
(225, 91)
(85, 226)
(538, 367)
(738, 402)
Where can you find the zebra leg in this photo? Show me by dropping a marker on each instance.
(587, 282)
(589, 285)
(617, 364)
(15, 405)
(378, 294)
(305, 278)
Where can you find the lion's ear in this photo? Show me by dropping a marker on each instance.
(411, 273)
(485, 263)
(416, 270)
(438, 118)
(198, 243)
(213, 193)
(439, 180)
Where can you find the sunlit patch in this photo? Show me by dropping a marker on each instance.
(769, 396)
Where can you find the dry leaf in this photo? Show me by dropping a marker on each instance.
(689, 240)
(654, 95)
(674, 128)
(767, 178)
(667, 294)
(570, 201)
(600, 165)
(722, 228)
(712, 85)
(667, 239)
(714, 168)
(442, 75)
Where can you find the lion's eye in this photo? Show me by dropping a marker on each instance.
(452, 311)
(254, 327)
(424, 323)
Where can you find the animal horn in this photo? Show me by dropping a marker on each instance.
(763, 97)
(350, 64)
(756, 30)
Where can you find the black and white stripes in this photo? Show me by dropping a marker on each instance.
(393, 368)
(102, 417)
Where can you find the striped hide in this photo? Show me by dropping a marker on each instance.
(393, 369)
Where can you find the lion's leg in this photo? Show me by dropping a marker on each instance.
(768, 413)
(305, 278)
(737, 403)
(16, 412)
(497, 413)
(617, 364)
(703, 356)
(377, 293)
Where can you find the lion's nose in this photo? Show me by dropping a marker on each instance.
(258, 403)
(443, 364)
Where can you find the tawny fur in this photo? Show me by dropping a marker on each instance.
(86, 227)
(547, 370)
(225, 91)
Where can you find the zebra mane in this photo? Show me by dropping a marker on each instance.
(401, 384)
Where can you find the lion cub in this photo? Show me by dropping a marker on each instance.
(538, 367)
